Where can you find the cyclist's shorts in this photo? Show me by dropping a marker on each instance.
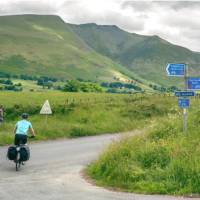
(20, 139)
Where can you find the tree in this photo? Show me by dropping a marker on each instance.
(48, 84)
(72, 86)
(76, 86)
(40, 82)
(8, 82)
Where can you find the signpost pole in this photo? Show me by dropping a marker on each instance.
(185, 109)
(184, 120)
(46, 120)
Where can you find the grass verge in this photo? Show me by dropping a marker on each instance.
(162, 161)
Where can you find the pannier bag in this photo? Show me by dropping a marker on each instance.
(24, 153)
(12, 153)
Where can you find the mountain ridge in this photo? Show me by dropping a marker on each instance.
(147, 56)
(47, 45)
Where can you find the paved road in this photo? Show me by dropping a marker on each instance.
(54, 173)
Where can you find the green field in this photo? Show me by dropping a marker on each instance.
(163, 160)
(28, 85)
(80, 114)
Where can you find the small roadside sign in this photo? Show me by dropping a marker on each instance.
(184, 93)
(184, 103)
(193, 83)
(176, 69)
(46, 109)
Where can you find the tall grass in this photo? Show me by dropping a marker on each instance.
(80, 114)
(164, 160)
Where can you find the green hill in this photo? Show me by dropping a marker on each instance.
(45, 45)
(145, 55)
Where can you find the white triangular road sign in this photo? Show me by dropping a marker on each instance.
(46, 108)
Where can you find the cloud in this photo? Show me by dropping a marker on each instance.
(23, 7)
(175, 21)
(108, 13)
(149, 5)
(141, 6)
(179, 5)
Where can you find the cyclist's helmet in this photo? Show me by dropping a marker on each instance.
(24, 116)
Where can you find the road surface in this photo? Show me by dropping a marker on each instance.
(54, 173)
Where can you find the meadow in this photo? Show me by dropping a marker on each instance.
(81, 114)
(163, 160)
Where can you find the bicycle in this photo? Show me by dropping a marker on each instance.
(18, 160)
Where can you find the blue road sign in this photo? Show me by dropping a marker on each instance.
(184, 103)
(184, 93)
(193, 83)
(175, 69)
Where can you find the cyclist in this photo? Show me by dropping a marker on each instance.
(1, 114)
(21, 130)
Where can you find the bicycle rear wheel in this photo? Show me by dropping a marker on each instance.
(17, 162)
(17, 165)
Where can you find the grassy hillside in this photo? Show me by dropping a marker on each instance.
(162, 161)
(145, 55)
(45, 45)
(108, 40)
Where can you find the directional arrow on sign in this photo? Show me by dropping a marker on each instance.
(176, 69)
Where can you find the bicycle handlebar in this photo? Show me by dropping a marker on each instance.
(32, 136)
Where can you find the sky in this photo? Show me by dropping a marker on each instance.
(176, 21)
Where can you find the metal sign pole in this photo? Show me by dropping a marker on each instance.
(184, 120)
(185, 109)
(46, 120)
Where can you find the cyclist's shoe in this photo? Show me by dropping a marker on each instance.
(23, 163)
